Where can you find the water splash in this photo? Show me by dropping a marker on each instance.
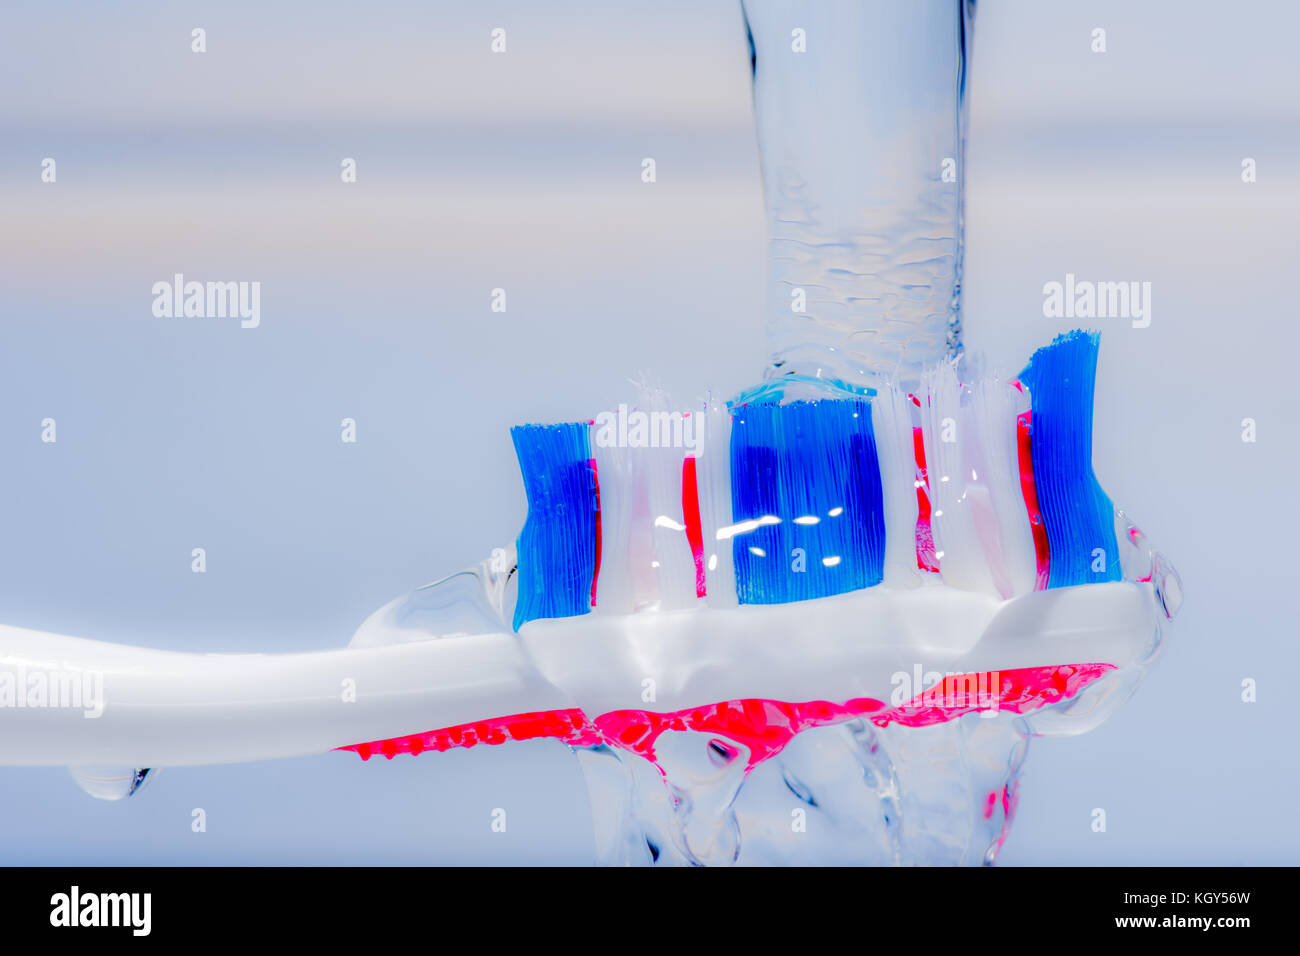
(931, 780)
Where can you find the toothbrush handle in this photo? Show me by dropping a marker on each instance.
(113, 705)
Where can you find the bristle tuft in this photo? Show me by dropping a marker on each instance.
(954, 521)
(806, 499)
(1078, 516)
(891, 418)
(557, 546)
(713, 471)
(994, 411)
(662, 462)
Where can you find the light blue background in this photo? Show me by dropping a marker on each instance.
(522, 171)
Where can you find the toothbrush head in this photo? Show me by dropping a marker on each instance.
(806, 553)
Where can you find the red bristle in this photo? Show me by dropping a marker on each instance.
(694, 529)
(1042, 552)
(595, 576)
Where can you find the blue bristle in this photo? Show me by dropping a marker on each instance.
(1077, 514)
(806, 459)
(557, 546)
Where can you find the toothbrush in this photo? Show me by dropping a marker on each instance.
(771, 578)
(870, 551)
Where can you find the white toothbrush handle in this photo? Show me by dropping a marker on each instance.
(163, 708)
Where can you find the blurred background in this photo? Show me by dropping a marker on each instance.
(521, 171)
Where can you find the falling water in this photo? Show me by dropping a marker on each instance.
(861, 124)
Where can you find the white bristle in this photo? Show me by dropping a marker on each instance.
(891, 420)
(713, 480)
(993, 413)
(626, 580)
(663, 468)
(953, 513)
